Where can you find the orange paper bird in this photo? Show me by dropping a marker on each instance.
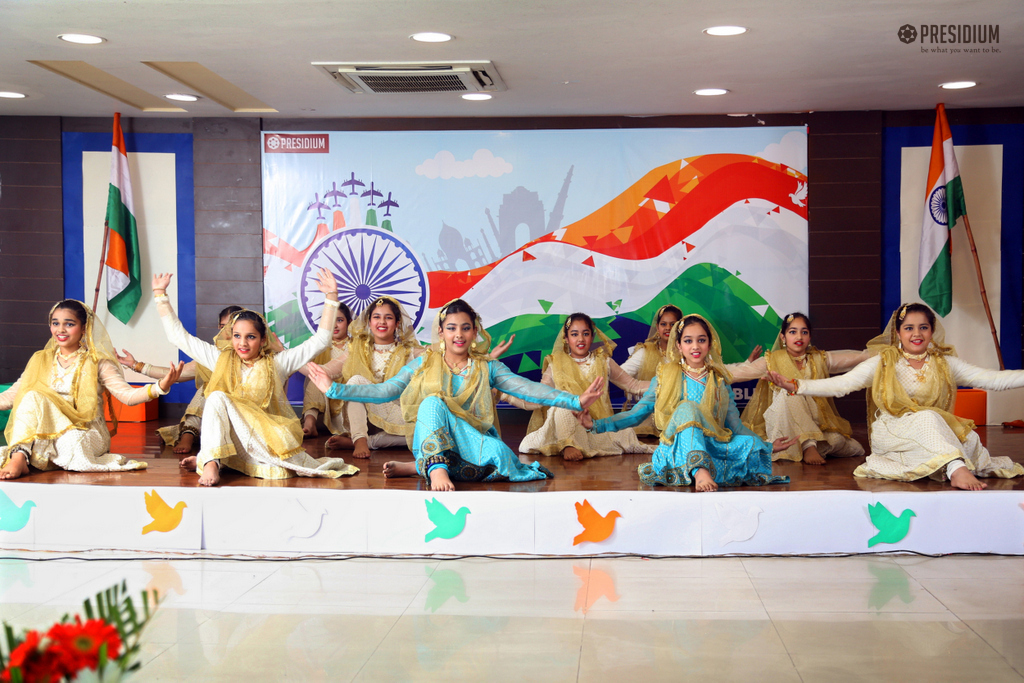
(164, 518)
(595, 527)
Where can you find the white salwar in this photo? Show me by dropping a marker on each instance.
(314, 402)
(921, 444)
(74, 450)
(799, 416)
(561, 429)
(385, 413)
(223, 425)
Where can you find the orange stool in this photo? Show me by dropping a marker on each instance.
(143, 412)
(972, 404)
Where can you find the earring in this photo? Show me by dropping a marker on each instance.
(473, 346)
(442, 346)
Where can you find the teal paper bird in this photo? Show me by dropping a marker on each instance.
(12, 517)
(447, 525)
(891, 529)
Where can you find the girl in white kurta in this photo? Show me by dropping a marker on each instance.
(648, 355)
(182, 436)
(573, 364)
(913, 382)
(332, 360)
(248, 424)
(772, 413)
(383, 341)
(57, 404)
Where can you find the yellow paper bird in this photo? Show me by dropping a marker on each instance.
(164, 517)
(595, 527)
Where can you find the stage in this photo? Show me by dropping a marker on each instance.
(823, 510)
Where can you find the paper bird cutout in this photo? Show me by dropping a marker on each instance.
(447, 584)
(446, 524)
(595, 527)
(739, 526)
(164, 517)
(891, 582)
(596, 585)
(12, 517)
(306, 520)
(891, 529)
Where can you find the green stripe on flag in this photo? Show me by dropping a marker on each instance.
(123, 304)
(936, 288)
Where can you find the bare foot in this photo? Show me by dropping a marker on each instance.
(338, 442)
(309, 426)
(813, 457)
(185, 443)
(964, 479)
(704, 482)
(396, 468)
(211, 474)
(571, 453)
(361, 449)
(188, 463)
(440, 481)
(17, 466)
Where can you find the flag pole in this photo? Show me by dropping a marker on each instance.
(103, 258)
(984, 294)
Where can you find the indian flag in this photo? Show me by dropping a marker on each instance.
(943, 206)
(124, 288)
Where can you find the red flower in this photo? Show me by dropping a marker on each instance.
(77, 645)
(35, 664)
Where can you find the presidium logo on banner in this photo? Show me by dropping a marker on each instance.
(305, 143)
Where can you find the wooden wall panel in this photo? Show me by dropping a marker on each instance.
(31, 236)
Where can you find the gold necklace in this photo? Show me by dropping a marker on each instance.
(798, 359)
(914, 356)
(585, 359)
(694, 374)
(456, 370)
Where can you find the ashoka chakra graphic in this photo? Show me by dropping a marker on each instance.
(367, 263)
(937, 205)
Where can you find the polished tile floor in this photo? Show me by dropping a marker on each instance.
(879, 618)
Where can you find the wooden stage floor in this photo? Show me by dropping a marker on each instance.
(612, 473)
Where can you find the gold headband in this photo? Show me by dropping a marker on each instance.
(903, 312)
(789, 318)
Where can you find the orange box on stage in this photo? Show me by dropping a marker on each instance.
(144, 412)
(972, 404)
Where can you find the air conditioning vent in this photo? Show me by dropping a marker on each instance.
(414, 77)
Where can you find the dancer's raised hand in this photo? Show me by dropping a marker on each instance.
(173, 373)
(318, 376)
(781, 382)
(501, 348)
(326, 283)
(161, 281)
(593, 392)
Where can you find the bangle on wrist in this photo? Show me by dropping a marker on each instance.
(139, 365)
(796, 387)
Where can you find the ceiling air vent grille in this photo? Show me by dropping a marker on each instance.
(414, 77)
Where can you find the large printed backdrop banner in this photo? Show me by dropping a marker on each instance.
(530, 226)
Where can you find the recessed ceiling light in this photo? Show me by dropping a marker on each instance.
(431, 37)
(710, 92)
(957, 85)
(81, 39)
(10, 95)
(182, 97)
(476, 96)
(725, 30)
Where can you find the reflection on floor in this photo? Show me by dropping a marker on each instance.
(765, 619)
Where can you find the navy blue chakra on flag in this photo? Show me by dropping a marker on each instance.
(368, 263)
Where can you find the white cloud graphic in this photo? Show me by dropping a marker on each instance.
(445, 166)
(791, 151)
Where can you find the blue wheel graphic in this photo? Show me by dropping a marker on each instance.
(937, 205)
(368, 263)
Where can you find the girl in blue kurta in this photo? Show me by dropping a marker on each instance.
(703, 441)
(446, 393)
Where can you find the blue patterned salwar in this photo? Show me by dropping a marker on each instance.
(744, 459)
(442, 439)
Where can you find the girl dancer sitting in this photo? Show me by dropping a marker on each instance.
(57, 404)
(248, 424)
(383, 341)
(913, 382)
(703, 441)
(314, 403)
(571, 367)
(446, 394)
(648, 355)
(182, 436)
(772, 413)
